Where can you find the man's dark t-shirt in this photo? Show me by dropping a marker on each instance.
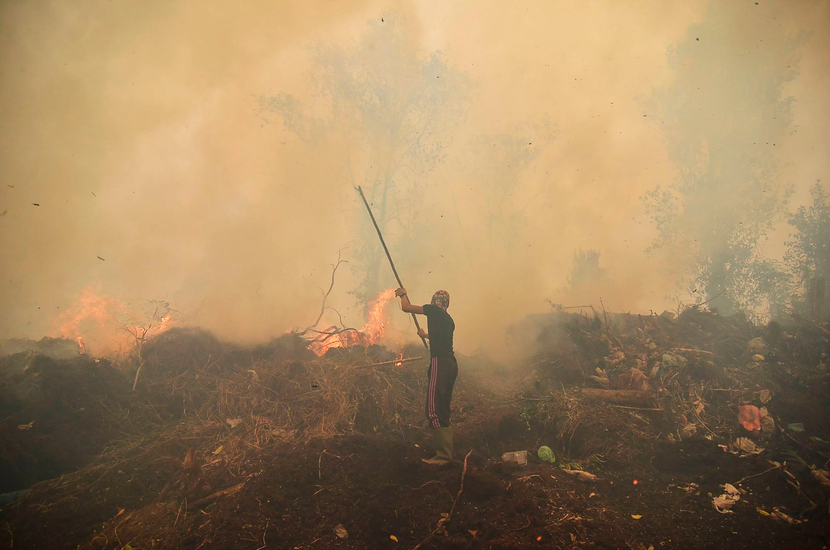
(440, 327)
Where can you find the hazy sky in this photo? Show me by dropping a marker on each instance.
(135, 127)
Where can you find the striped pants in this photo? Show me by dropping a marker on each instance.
(442, 373)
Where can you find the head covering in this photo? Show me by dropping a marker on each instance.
(441, 299)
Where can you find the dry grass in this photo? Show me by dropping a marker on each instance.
(590, 429)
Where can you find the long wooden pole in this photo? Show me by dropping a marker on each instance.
(389, 256)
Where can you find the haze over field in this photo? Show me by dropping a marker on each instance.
(205, 156)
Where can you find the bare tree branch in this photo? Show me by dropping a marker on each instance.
(323, 307)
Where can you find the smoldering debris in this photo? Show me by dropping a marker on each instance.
(214, 426)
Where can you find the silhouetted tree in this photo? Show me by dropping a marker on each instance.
(808, 250)
(722, 117)
(384, 108)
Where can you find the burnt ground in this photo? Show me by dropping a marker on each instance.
(326, 453)
(376, 488)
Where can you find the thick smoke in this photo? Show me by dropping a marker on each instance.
(164, 170)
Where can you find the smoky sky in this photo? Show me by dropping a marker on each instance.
(135, 127)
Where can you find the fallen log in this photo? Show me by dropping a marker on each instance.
(620, 397)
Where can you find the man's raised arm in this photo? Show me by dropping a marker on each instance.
(406, 305)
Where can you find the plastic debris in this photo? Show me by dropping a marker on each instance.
(727, 500)
(340, 531)
(545, 454)
(673, 361)
(746, 445)
(764, 396)
(587, 477)
(519, 457)
(233, 422)
(750, 417)
(796, 427)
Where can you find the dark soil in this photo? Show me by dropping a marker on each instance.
(56, 415)
(374, 488)
(321, 447)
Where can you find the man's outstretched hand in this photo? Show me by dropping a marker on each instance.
(405, 304)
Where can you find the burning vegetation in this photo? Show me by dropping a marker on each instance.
(111, 325)
(372, 332)
(215, 160)
(644, 418)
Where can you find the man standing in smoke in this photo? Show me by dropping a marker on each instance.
(442, 372)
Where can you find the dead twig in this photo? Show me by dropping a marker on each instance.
(608, 328)
(716, 296)
(699, 419)
(393, 361)
(635, 408)
(320, 463)
(264, 531)
(778, 467)
(805, 446)
(687, 350)
(325, 294)
(217, 494)
(447, 517)
(524, 526)
(184, 502)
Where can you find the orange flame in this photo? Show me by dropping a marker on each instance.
(81, 345)
(371, 332)
(90, 310)
(98, 317)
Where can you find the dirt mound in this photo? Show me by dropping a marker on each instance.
(678, 378)
(56, 348)
(274, 447)
(57, 415)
